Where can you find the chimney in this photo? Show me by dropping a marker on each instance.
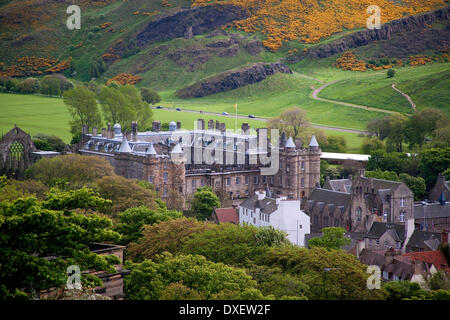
(201, 124)
(94, 131)
(409, 226)
(245, 127)
(108, 130)
(223, 127)
(350, 177)
(217, 125)
(156, 126)
(362, 172)
(389, 256)
(444, 238)
(104, 132)
(128, 134)
(211, 124)
(178, 125)
(298, 143)
(84, 129)
(134, 130)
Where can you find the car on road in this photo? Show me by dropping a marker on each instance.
(178, 109)
(201, 111)
(251, 116)
(159, 107)
(225, 113)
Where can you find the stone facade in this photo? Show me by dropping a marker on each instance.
(16, 153)
(148, 156)
(440, 187)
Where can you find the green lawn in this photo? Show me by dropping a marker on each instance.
(39, 114)
(34, 114)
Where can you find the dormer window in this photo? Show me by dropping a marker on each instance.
(402, 202)
(402, 216)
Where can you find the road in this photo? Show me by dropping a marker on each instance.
(260, 119)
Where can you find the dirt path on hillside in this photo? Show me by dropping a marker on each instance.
(317, 91)
(411, 102)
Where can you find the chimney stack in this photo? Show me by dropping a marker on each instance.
(444, 240)
(84, 129)
(94, 131)
(217, 125)
(104, 132)
(134, 130)
(156, 126)
(201, 124)
(223, 127)
(211, 124)
(108, 131)
(178, 125)
(245, 127)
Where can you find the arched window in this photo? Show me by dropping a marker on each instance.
(16, 152)
(358, 214)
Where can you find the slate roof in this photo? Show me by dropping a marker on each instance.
(397, 231)
(418, 238)
(227, 215)
(267, 205)
(431, 210)
(341, 185)
(382, 184)
(339, 199)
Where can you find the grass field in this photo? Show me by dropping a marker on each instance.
(39, 114)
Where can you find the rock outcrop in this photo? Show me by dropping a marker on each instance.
(201, 19)
(233, 79)
(365, 37)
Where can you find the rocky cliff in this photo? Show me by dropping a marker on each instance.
(232, 80)
(365, 37)
(201, 19)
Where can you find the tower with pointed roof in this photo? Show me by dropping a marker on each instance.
(299, 170)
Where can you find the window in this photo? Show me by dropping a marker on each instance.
(165, 176)
(303, 165)
(150, 179)
(402, 216)
(203, 182)
(255, 179)
(287, 168)
(378, 242)
(280, 181)
(302, 182)
(300, 226)
(385, 275)
(180, 189)
(194, 183)
(165, 192)
(247, 179)
(325, 221)
(358, 214)
(399, 244)
(288, 181)
(238, 180)
(316, 220)
(254, 220)
(385, 214)
(402, 202)
(228, 181)
(264, 179)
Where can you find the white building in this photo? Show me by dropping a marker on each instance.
(262, 210)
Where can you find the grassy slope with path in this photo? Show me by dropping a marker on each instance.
(39, 114)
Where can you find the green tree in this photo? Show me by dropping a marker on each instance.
(30, 232)
(150, 96)
(437, 281)
(131, 221)
(380, 127)
(149, 280)
(96, 67)
(70, 171)
(391, 73)
(29, 85)
(82, 106)
(397, 132)
(385, 175)
(399, 290)
(204, 202)
(53, 142)
(335, 144)
(50, 86)
(170, 236)
(134, 99)
(332, 238)
(422, 125)
(416, 184)
(292, 121)
(433, 162)
(371, 144)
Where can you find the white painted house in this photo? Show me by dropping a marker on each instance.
(262, 210)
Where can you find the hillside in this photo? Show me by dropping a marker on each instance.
(176, 45)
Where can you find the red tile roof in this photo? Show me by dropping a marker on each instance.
(227, 215)
(436, 258)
